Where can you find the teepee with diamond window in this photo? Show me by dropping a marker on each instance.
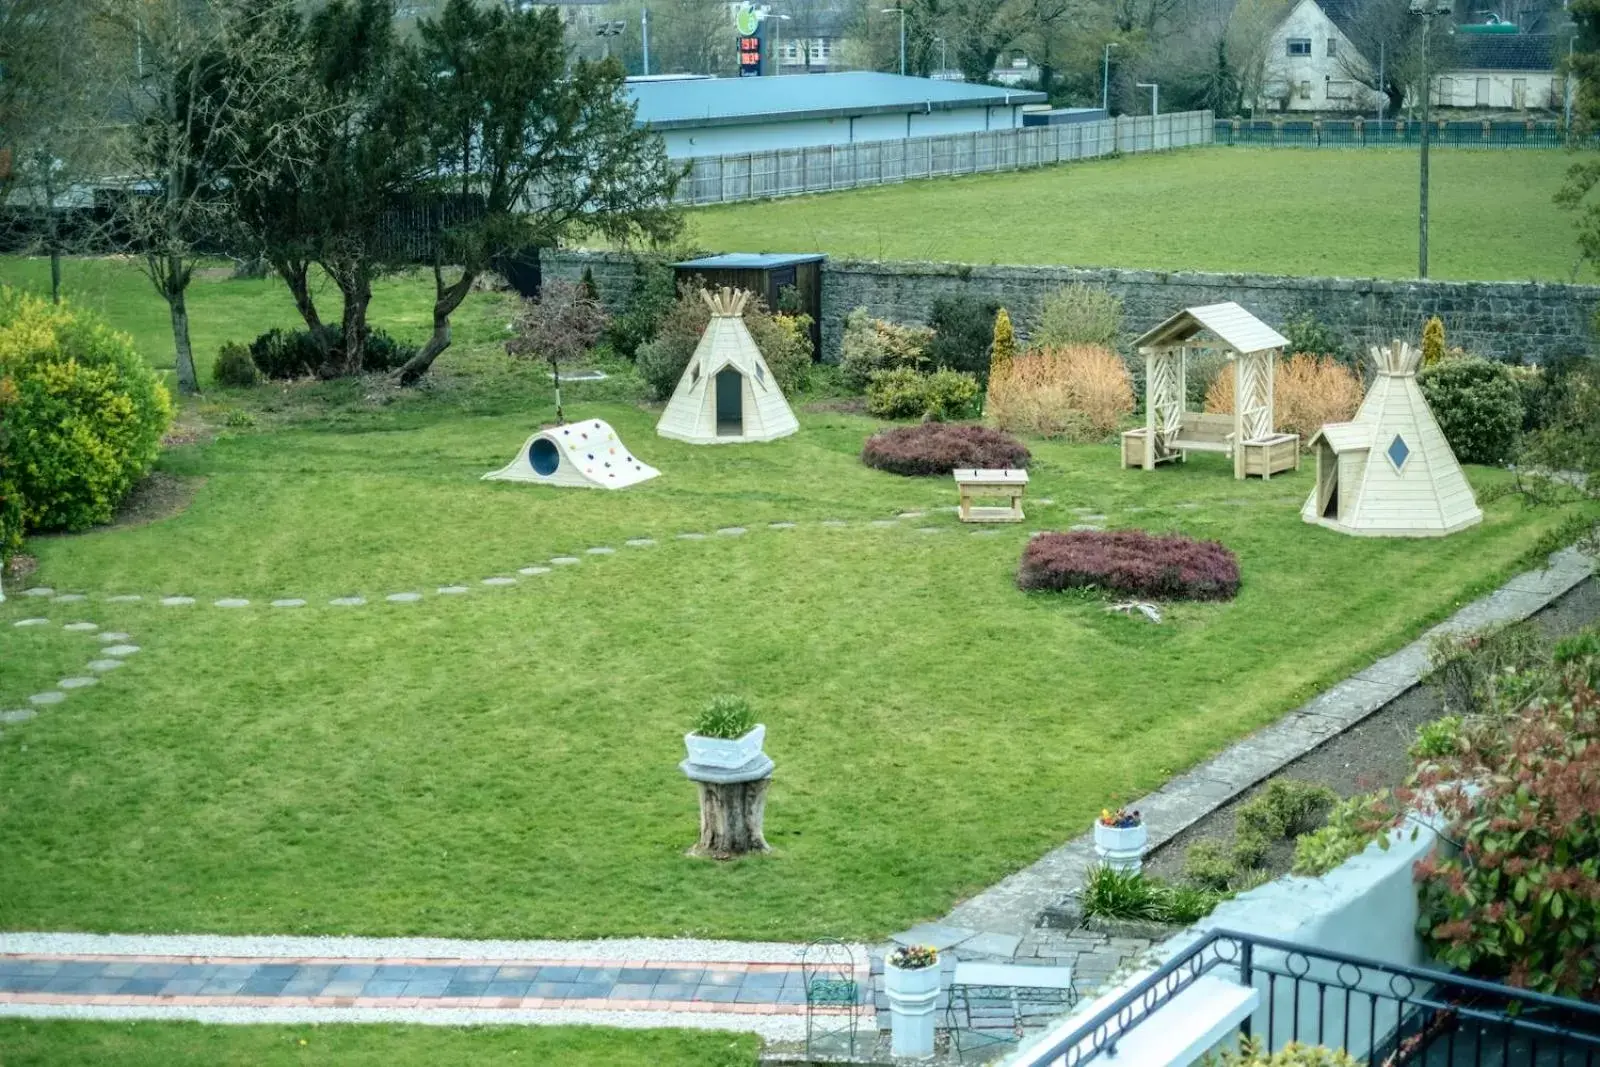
(1389, 472)
(727, 394)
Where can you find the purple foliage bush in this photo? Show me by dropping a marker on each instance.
(1130, 563)
(941, 447)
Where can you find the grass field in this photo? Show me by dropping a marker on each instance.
(504, 763)
(37, 1043)
(1276, 211)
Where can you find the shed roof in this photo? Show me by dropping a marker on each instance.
(1232, 324)
(1344, 436)
(733, 102)
(1504, 51)
(752, 260)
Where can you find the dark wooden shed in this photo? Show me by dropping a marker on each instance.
(766, 274)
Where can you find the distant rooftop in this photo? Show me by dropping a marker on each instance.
(752, 260)
(1509, 51)
(734, 101)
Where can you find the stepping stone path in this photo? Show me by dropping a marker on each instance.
(177, 601)
(452, 590)
(985, 533)
(640, 542)
(289, 602)
(120, 650)
(55, 696)
(69, 598)
(531, 571)
(691, 537)
(911, 514)
(1188, 507)
(1078, 526)
(232, 602)
(835, 522)
(125, 598)
(112, 637)
(39, 590)
(31, 622)
(499, 581)
(928, 529)
(780, 525)
(882, 522)
(348, 601)
(81, 627)
(731, 531)
(403, 598)
(20, 715)
(81, 682)
(101, 665)
(600, 550)
(565, 561)
(1093, 518)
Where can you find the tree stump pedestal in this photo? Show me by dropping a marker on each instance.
(733, 802)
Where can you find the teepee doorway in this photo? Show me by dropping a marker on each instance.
(730, 403)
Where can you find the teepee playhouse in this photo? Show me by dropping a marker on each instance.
(727, 394)
(1389, 472)
(1252, 349)
(587, 455)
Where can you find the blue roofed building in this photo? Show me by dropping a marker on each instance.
(726, 116)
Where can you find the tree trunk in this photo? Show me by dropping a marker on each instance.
(296, 275)
(446, 299)
(357, 289)
(730, 818)
(55, 271)
(188, 381)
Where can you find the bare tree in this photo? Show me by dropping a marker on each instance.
(559, 327)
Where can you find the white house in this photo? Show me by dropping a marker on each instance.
(1310, 61)
(1502, 71)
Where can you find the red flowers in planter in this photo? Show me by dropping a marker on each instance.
(1131, 563)
(941, 447)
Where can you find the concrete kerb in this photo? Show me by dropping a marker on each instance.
(1013, 905)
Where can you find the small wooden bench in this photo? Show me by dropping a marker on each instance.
(991, 483)
(1197, 432)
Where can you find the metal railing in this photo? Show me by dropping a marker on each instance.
(1382, 1014)
(1371, 133)
(823, 168)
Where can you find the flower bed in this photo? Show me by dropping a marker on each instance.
(939, 448)
(1132, 563)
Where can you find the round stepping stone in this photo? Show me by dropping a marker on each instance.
(112, 637)
(125, 598)
(691, 537)
(882, 523)
(731, 531)
(565, 561)
(81, 627)
(20, 715)
(985, 533)
(54, 696)
(1078, 526)
(1045, 500)
(600, 550)
(289, 602)
(80, 682)
(640, 542)
(39, 590)
(1094, 518)
(403, 598)
(232, 602)
(102, 665)
(120, 650)
(780, 525)
(911, 514)
(348, 601)
(1188, 507)
(841, 522)
(452, 590)
(69, 598)
(929, 529)
(177, 601)
(499, 581)
(31, 622)
(531, 571)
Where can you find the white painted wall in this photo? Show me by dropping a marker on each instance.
(1459, 88)
(770, 135)
(1317, 82)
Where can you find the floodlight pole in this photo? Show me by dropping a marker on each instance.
(1426, 9)
(644, 24)
(901, 10)
(1105, 80)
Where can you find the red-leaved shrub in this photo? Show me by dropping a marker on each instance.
(941, 447)
(1131, 563)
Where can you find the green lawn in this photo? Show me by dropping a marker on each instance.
(1277, 211)
(40, 1043)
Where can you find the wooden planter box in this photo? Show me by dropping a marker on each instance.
(1266, 456)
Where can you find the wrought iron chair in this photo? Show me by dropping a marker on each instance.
(830, 970)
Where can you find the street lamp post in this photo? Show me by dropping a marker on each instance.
(944, 59)
(1426, 9)
(901, 11)
(607, 30)
(1105, 80)
(644, 26)
(1155, 95)
(777, 39)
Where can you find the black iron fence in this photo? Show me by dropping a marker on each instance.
(1382, 1014)
(1370, 133)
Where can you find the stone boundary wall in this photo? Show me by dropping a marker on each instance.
(1520, 321)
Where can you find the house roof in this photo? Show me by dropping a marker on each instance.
(1342, 13)
(752, 260)
(734, 102)
(1235, 326)
(1504, 51)
(1344, 436)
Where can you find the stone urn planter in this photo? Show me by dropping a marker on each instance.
(724, 753)
(726, 762)
(1120, 839)
(911, 978)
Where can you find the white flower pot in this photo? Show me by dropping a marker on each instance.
(721, 752)
(913, 995)
(1121, 849)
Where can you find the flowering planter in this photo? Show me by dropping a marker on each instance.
(1121, 848)
(723, 753)
(912, 996)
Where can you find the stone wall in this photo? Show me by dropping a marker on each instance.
(1522, 321)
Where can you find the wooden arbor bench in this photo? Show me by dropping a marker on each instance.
(991, 483)
(995, 1003)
